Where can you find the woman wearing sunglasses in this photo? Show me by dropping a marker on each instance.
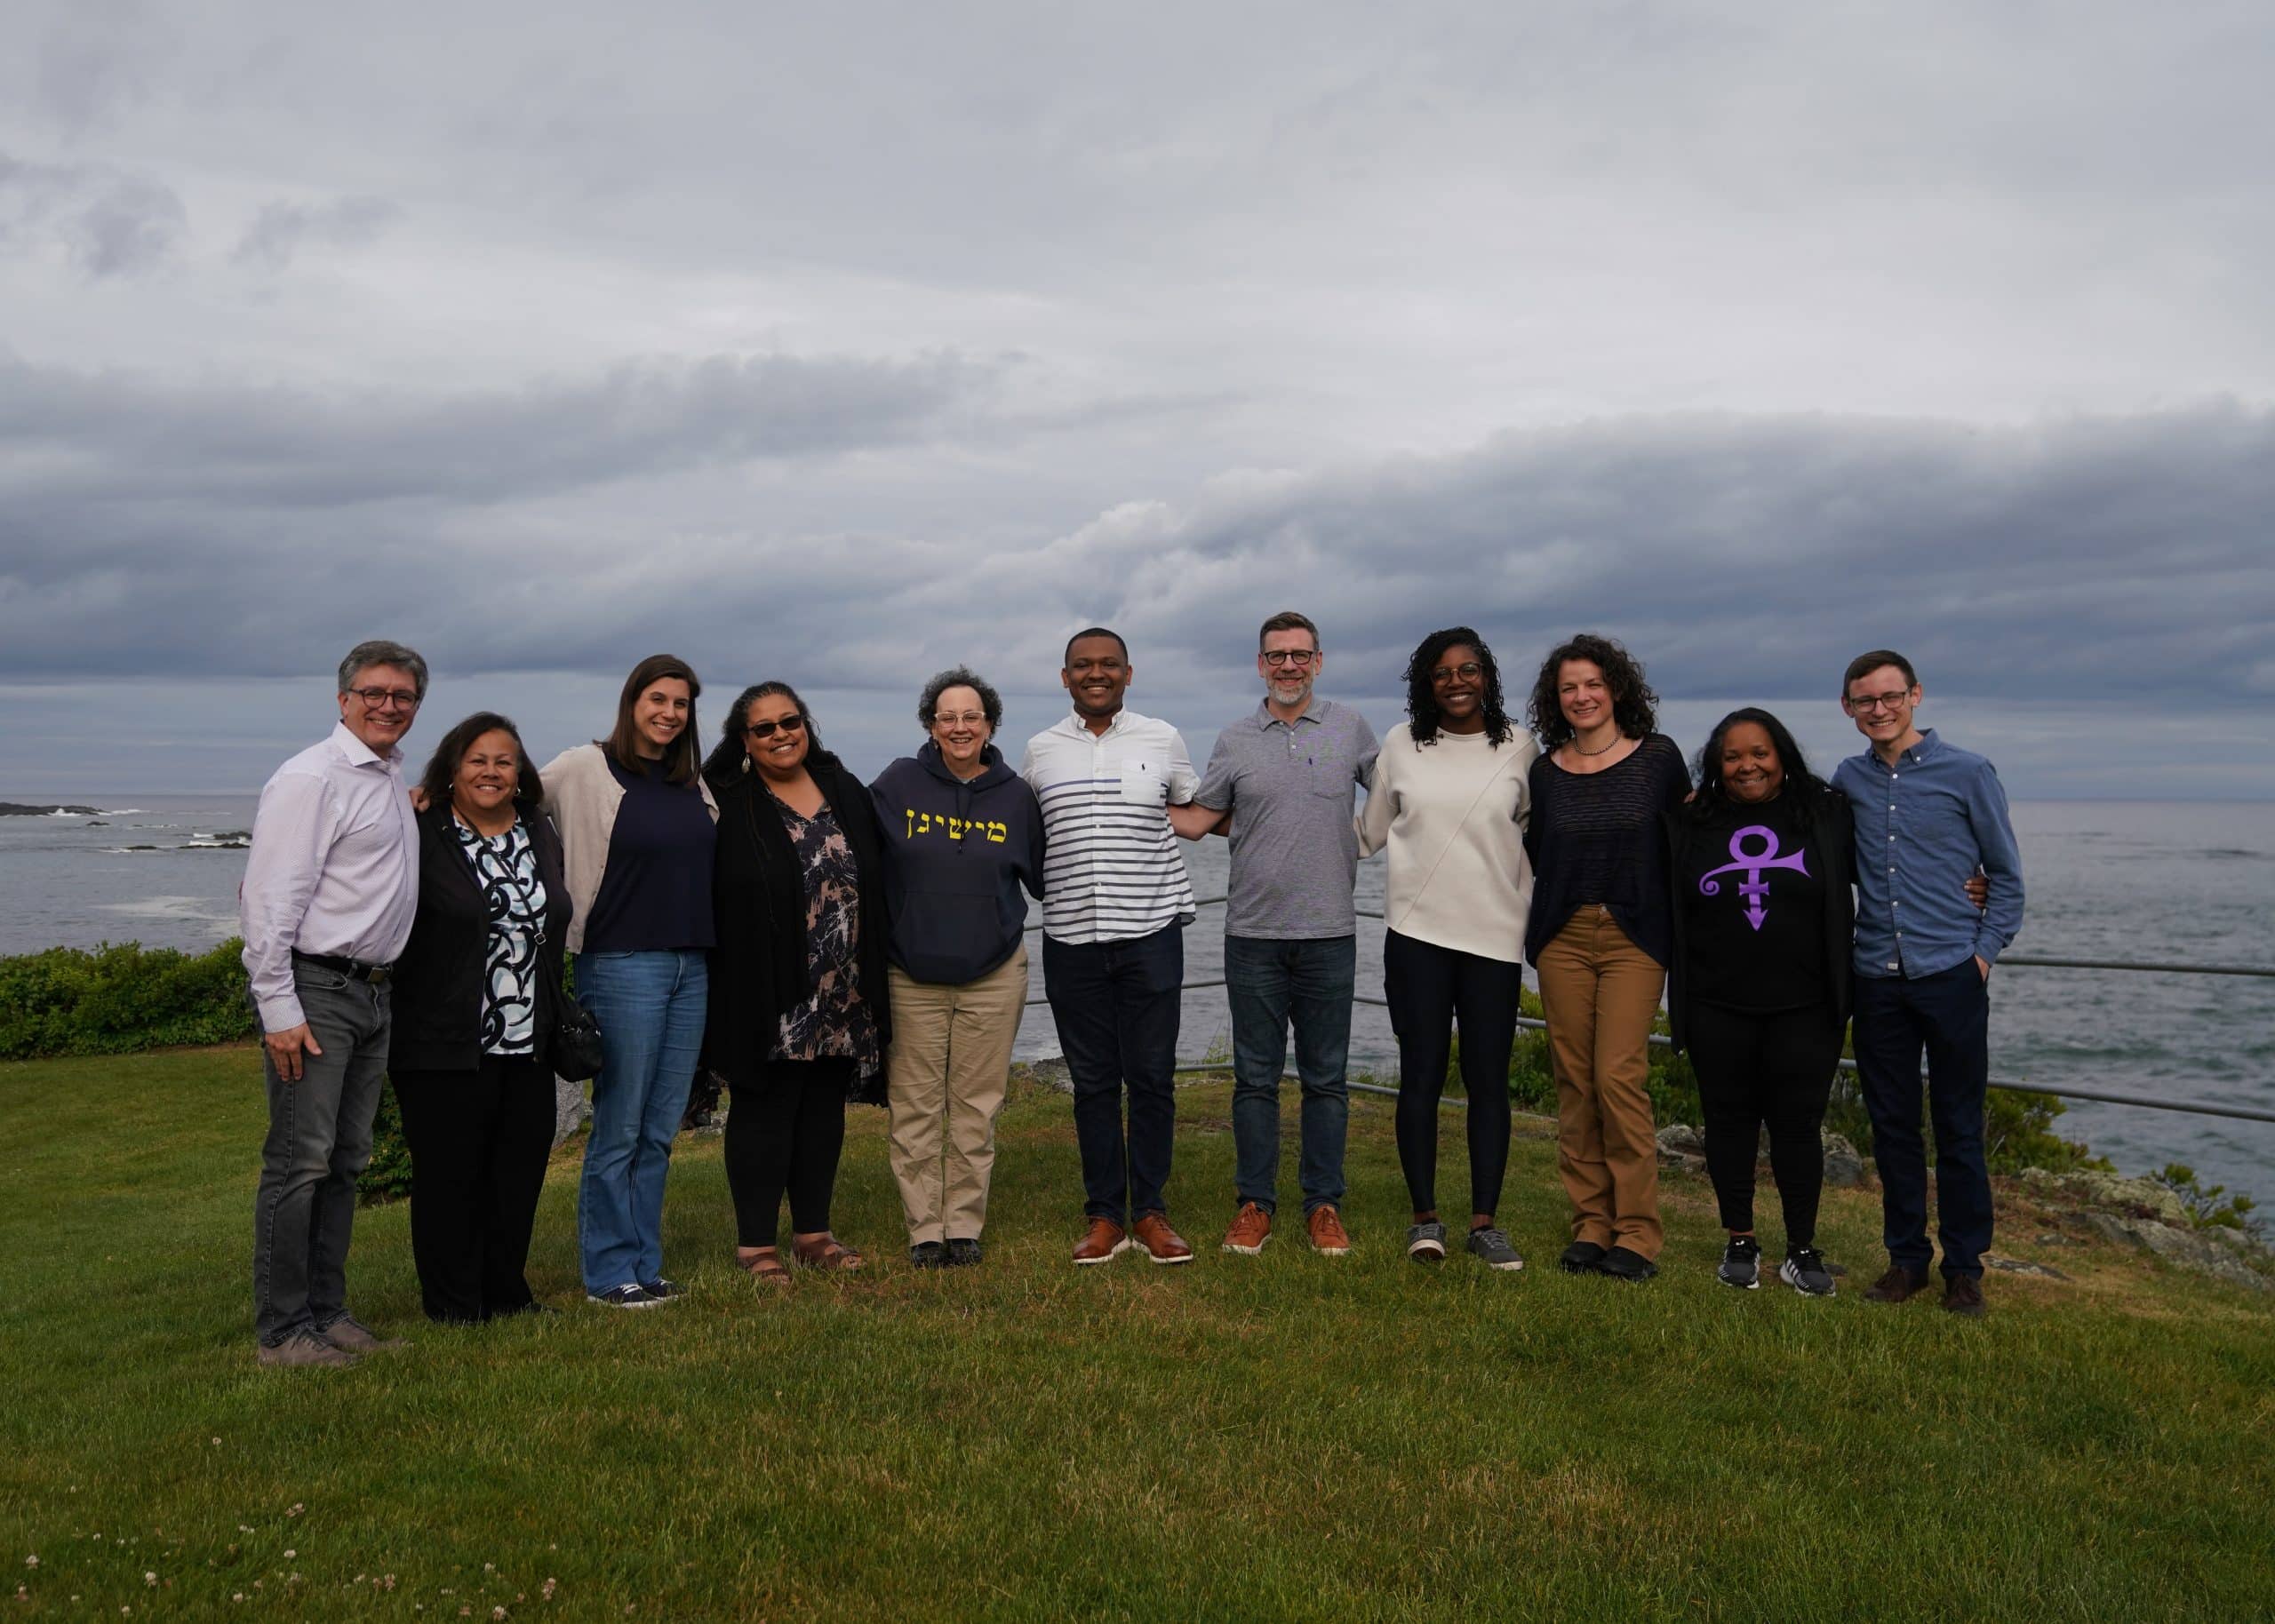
(798, 899)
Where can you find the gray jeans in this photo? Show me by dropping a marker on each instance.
(319, 1141)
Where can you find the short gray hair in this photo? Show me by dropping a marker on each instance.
(928, 703)
(380, 651)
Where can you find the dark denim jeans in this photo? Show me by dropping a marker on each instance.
(1116, 1005)
(319, 1142)
(1269, 983)
(650, 1006)
(1948, 1014)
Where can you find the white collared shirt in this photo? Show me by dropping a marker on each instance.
(1111, 866)
(334, 868)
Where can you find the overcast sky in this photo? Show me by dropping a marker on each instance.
(839, 344)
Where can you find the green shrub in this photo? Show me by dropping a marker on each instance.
(2209, 1206)
(116, 1000)
(388, 1177)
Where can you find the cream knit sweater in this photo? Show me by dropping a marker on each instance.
(1452, 815)
(583, 795)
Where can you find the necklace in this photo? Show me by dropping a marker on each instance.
(1618, 739)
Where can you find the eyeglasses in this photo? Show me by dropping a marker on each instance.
(1289, 656)
(1468, 669)
(1863, 703)
(380, 698)
(765, 729)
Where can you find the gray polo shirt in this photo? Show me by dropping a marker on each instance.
(1290, 786)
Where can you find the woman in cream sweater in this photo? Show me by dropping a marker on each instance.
(1449, 802)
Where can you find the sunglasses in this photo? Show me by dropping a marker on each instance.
(765, 729)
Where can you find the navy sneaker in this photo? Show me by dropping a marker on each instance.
(662, 1288)
(1741, 1264)
(625, 1296)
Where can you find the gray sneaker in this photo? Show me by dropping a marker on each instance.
(350, 1334)
(1804, 1271)
(1426, 1243)
(1491, 1245)
(1741, 1264)
(305, 1347)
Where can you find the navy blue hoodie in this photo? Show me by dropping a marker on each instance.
(956, 854)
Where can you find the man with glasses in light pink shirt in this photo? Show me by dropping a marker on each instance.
(330, 885)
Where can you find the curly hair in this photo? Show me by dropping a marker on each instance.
(724, 764)
(1422, 703)
(1634, 706)
(1804, 791)
(927, 703)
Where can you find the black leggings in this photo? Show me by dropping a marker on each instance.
(1428, 989)
(1756, 1069)
(786, 1130)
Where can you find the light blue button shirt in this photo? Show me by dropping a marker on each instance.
(1923, 827)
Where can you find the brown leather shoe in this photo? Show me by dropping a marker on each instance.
(1963, 1294)
(1251, 1228)
(1898, 1284)
(1105, 1242)
(1162, 1244)
(1328, 1237)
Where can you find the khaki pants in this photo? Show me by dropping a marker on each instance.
(1600, 993)
(951, 1057)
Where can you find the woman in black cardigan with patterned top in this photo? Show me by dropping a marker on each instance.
(799, 1015)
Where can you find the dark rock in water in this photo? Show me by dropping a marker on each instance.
(9, 808)
(97, 824)
(138, 848)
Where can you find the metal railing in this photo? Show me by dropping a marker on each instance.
(2238, 1113)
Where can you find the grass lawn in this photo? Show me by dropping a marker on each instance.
(1287, 1436)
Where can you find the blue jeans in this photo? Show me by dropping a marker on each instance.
(1270, 983)
(1948, 1014)
(1116, 1005)
(650, 1007)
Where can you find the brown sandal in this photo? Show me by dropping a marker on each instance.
(828, 1255)
(766, 1267)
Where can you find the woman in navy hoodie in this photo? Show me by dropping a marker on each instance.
(962, 835)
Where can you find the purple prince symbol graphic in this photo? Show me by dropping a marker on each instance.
(1755, 865)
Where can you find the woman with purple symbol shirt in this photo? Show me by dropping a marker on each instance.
(1758, 987)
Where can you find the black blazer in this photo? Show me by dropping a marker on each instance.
(437, 1024)
(758, 964)
(1829, 844)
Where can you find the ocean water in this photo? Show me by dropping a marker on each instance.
(2192, 882)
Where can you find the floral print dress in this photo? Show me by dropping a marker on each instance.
(834, 1019)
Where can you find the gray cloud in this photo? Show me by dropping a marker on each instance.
(106, 222)
(281, 229)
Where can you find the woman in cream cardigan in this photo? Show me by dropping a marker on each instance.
(1449, 802)
(636, 834)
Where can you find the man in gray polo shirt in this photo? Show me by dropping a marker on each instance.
(1285, 776)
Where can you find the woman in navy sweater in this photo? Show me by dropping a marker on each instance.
(962, 839)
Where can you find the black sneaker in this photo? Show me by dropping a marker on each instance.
(1804, 1271)
(1741, 1264)
(1621, 1264)
(964, 1250)
(928, 1254)
(663, 1288)
(625, 1296)
(1581, 1257)
(1492, 1246)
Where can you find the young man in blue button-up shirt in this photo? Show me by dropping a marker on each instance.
(1927, 816)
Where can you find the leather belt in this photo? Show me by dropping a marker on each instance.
(355, 969)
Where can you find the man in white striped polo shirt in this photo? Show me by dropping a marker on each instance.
(1115, 789)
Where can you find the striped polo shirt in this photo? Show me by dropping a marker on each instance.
(1111, 865)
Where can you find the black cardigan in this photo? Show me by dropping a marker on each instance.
(758, 966)
(437, 982)
(1829, 843)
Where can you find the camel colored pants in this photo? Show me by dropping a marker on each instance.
(951, 1057)
(1600, 993)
